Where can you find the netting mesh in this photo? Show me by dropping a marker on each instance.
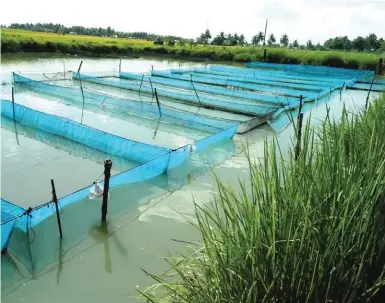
(311, 69)
(141, 109)
(230, 93)
(80, 133)
(154, 160)
(9, 212)
(245, 83)
(257, 86)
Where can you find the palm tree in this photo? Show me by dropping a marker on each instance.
(260, 37)
(219, 40)
(295, 44)
(229, 38)
(242, 40)
(207, 35)
(271, 40)
(284, 40)
(254, 40)
(309, 45)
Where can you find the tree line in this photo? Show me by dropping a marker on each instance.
(89, 31)
(368, 43)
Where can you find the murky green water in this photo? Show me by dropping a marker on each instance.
(89, 266)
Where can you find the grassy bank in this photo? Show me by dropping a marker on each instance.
(310, 230)
(28, 41)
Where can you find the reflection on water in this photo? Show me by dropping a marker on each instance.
(31, 160)
(98, 264)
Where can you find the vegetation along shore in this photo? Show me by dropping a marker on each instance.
(222, 47)
(304, 229)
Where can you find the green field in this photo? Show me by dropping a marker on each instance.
(27, 41)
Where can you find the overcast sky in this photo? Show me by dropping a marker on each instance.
(300, 19)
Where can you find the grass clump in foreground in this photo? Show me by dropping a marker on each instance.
(14, 40)
(310, 230)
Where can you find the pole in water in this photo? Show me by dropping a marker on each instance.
(54, 199)
(342, 88)
(14, 115)
(264, 37)
(120, 66)
(300, 106)
(141, 82)
(264, 42)
(370, 89)
(157, 101)
(299, 135)
(81, 88)
(107, 175)
(196, 94)
(80, 66)
(152, 67)
(152, 89)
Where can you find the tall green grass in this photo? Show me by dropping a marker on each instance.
(13, 40)
(310, 230)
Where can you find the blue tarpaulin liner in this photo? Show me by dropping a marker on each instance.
(141, 109)
(209, 101)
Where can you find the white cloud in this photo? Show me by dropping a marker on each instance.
(302, 19)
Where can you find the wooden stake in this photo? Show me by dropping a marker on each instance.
(120, 66)
(196, 94)
(14, 115)
(152, 89)
(13, 103)
(54, 199)
(107, 175)
(342, 88)
(81, 88)
(264, 42)
(264, 37)
(157, 101)
(299, 135)
(80, 66)
(300, 106)
(141, 82)
(370, 89)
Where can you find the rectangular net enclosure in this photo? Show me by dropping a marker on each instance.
(185, 93)
(121, 101)
(141, 109)
(150, 160)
